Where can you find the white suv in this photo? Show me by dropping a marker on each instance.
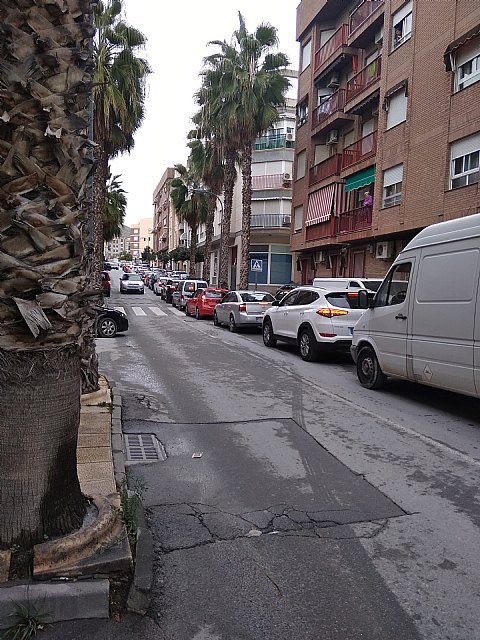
(315, 319)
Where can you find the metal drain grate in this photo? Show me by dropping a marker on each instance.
(143, 447)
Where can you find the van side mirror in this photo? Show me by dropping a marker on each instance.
(365, 299)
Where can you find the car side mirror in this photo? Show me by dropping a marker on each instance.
(365, 299)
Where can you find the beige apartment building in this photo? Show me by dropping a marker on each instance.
(141, 236)
(388, 128)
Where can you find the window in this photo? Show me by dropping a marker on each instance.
(392, 186)
(402, 25)
(306, 297)
(396, 105)
(306, 54)
(301, 165)
(465, 161)
(302, 112)
(290, 299)
(394, 288)
(298, 218)
(467, 65)
(280, 268)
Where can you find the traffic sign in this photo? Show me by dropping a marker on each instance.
(256, 265)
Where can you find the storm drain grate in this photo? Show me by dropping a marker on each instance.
(143, 447)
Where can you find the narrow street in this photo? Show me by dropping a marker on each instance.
(315, 508)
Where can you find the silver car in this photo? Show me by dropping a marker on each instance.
(131, 283)
(242, 309)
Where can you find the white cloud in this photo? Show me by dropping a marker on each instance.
(177, 43)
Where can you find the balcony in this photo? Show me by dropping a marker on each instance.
(328, 107)
(355, 220)
(273, 181)
(331, 46)
(325, 169)
(365, 78)
(363, 12)
(363, 149)
(274, 142)
(270, 220)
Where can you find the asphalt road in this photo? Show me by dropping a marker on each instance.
(317, 509)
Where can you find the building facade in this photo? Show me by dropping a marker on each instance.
(162, 213)
(388, 128)
(141, 237)
(115, 247)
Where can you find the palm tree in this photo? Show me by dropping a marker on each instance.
(206, 163)
(251, 87)
(115, 208)
(190, 205)
(43, 264)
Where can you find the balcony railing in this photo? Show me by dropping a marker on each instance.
(363, 12)
(334, 103)
(354, 220)
(273, 181)
(270, 220)
(273, 142)
(363, 149)
(364, 78)
(326, 51)
(325, 169)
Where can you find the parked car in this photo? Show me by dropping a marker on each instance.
(158, 286)
(313, 318)
(107, 266)
(131, 283)
(169, 289)
(203, 302)
(110, 322)
(242, 309)
(350, 284)
(114, 265)
(185, 290)
(106, 283)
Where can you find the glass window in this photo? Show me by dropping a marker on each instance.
(394, 288)
(306, 54)
(301, 165)
(467, 64)
(392, 186)
(280, 268)
(289, 299)
(465, 170)
(298, 218)
(214, 294)
(397, 108)
(306, 297)
(259, 277)
(257, 296)
(402, 25)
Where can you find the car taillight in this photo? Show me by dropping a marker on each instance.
(331, 313)
(242, 307)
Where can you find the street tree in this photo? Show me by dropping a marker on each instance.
(148, 255)
(251, 87)
(115, 209)
(45, 79)
(190, 204)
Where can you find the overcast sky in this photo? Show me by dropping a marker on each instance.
(178, 33)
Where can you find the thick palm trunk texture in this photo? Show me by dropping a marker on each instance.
(212, 205)
(229, 184)
(246, 215)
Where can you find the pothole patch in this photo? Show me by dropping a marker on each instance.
(143, 448)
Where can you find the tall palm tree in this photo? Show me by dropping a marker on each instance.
(190, 205)
(207, 165)
(43, 264)
(251, 87)
(115, 208)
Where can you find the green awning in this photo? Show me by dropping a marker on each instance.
(360, 179)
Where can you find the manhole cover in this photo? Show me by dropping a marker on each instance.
(143, 447)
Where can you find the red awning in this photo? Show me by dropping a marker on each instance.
(320, 205)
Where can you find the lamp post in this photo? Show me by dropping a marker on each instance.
(211, 193)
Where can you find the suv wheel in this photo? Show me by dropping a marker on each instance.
(269, 339)
(369, 373)
(308, 345)
(106, 328)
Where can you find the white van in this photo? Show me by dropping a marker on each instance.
(351, 284)
(428, 329)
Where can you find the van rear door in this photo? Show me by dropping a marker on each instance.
(444, 315)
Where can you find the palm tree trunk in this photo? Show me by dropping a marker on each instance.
(246, 215)
(193, 250)
(212, 206)
(44, 289)
(229, 184)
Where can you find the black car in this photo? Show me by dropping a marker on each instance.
(110, 322)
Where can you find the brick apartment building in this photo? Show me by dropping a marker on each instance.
(389, 104)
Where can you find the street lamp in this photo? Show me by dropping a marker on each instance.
(211, 193)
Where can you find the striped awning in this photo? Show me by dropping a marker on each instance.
(320, 205)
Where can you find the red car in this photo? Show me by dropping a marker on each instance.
(203, 302)
(106, 283)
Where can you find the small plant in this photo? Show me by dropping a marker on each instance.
(26, 621)
(107, 405)
(131, 494)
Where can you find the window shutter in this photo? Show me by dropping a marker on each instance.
(402, 13)
(368, 127)
(465, 146)
(393, 175)
(306, 54)
(298, 222)
(397, 108)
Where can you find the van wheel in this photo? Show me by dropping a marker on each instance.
(269, 339)
(308, 345)
(369, 373)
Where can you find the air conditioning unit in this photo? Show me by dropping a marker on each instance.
(286, 221)
(334, 81)
(320, 256)
(287, 177)
(384, 250)
(289, 137)
(332, 136)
